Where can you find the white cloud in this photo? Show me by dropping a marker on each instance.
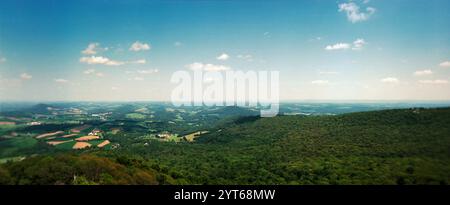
(150, 71)
(25, 76)
(423, 72)
(195, 66)
(445, 64)
(140, 61)
(390, 80)
(138, 78)
(91, 49)
(89, 71)
(207, 67)
(138, 46)
(320, 82)
(358, 44)
(114, 88)
(247, 57)
(92, 60)
(338, 46)
(223, 57)
(2, 60)
(114, 63)
(60, 80)
(433, 82)
(212, 67)
(353, 12)
(93, 72)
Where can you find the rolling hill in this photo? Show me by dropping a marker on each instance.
(403, 146)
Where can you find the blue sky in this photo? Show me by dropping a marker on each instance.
(324, 50)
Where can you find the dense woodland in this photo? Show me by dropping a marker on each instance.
(402, 146)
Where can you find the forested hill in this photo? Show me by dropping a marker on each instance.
(408, 146)
(84, 169)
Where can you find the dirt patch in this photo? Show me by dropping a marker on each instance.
(7, 123)
(104, 143)
(191, 137)
(87, 138)
(66, 136)
(79, 129)
(49, 134)
(54, 143)
(81, 145)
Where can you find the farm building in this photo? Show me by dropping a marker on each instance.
(163, 135)
(95, 132)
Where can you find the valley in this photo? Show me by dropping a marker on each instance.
(308, 143)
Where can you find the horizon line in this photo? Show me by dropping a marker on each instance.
(281, 101)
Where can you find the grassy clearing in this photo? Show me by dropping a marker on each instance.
(11, 159)
(66, 146)
(191, 137)
(135, 116)
(95, 142)
(173, 138)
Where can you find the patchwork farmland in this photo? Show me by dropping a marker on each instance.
(76, 138)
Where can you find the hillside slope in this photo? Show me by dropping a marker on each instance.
(84, 169)
(408, 146)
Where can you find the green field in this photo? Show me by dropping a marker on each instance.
(66, 146)
(14, 145)
(135, 116)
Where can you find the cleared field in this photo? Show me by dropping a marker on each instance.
(191, 137)
(173, 138)
(81, 145)
(59, 138)
(104, 143)
(135, 116)
(7, 123)
(7, 127)
(80, 128)
(54, 143)
(49, 134)
(115, 131)
(67, 136)
(142, 110)
(87, 138)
